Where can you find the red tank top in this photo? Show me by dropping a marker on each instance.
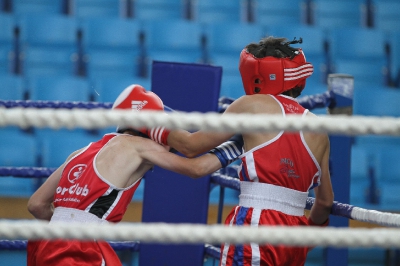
(285, 160)
(82, 187)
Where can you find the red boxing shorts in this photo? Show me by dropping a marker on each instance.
(71, 252)
(254, 254)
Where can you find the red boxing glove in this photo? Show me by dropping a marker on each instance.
(159, 135)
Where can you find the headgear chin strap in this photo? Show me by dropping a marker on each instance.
(272, 75)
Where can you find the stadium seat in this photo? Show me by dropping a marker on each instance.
(281, 12)
(363, 70)
(56, 146)
(7, 43)
(22, 7)
(388, 174)
(360, 52)
(111, 46)
(111, 64)
(394, 67)
(59, 88)
(6, 62)
(7, 27)
(158, 9)
(225, 41)
(97, 8)
(360, 182)
(231, 37)
(386, 15)
(108, 89)
(18, 149)
(13, 87)
(231, 86)
(174, 40)
(48, 44)
(211, 11)
(376, 101)
(338, 13)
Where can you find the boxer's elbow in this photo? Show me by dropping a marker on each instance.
(39, 210)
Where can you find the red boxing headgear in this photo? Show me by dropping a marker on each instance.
(136, 97)
(272, 75)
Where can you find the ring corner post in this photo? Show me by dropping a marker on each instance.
(170, 197)
(342, 86)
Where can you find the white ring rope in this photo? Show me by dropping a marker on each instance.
(100, 118)
(196, 233)
(375, 217)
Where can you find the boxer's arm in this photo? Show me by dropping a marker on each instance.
(193, 144)
(194, 167)
(321, 209)
(40, 204)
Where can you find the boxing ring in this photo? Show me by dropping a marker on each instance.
(154, 232)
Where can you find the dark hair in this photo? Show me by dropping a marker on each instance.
(278, 47)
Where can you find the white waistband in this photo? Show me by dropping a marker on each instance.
(68, 215)
(267, 196)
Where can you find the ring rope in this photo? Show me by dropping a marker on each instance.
(230, 181)
(100, 118)
(195, 234)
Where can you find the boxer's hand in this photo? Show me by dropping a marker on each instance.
(229, 151)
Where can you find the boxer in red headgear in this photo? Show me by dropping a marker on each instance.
(278, 169)
(136, 97)
(96, 183)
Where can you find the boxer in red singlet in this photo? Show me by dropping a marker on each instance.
(278, 169)
(97, 182)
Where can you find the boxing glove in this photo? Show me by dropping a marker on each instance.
(229, 151)
(159, 135)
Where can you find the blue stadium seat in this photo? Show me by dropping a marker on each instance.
(386, 15)
(231, 86)
(56, 146)
(158, 9)
(339, 13)
(388, 174)
(360, 163)
(376, 101)
(211, 11)
(7, 26)
(98, 8)
(225, 41)
(6, 61)
(48, 44)
(174, 40)
(111, 64)
(22, 7)
(363, 70)
(18, 149)
(228, 62)
(281, 12)
(7, 41)
(59, 88)
(231, 37)
(111, 46)
(394, 42)
(13, 87)
(108, 89)
(353, 48)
